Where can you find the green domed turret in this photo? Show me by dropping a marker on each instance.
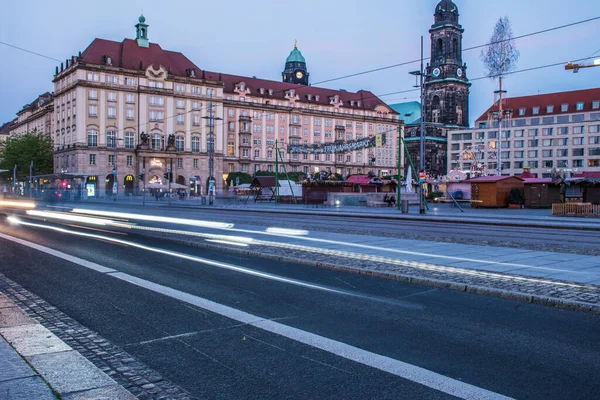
(295, 67)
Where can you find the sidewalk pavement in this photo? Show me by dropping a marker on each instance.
(38, 365)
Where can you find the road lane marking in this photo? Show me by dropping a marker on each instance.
(398, 368)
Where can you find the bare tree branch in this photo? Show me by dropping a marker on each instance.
(500, 56)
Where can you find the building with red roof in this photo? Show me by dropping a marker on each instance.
(547, 133)
(136, 108)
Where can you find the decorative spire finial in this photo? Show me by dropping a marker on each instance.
(295, 43)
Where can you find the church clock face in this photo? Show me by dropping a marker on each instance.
(299, 74)
(436, 72)
(459, 72)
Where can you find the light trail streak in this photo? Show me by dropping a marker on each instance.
(155, 218)
(76, 218)
(17, 204)
(200, 260)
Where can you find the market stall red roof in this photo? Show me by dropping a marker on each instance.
(359, 179)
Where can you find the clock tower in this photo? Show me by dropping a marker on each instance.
(295, 68)
(446, 83)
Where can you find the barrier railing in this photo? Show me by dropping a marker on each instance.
(576, 210)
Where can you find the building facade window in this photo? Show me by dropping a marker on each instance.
(129, 161)
(111, 139)
(92, 138)
(129, 140)
(179, 143)
(195, 144)
(92, 159)
(195, 163)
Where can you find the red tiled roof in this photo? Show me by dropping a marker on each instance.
(588, 174)
(527, 175)
(129, 55)
(359, 179)
(493, 178)
(571, 98)
(538, 180)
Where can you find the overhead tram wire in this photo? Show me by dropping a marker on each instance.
(30, 51)
(467, 49)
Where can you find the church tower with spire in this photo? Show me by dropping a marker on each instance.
(295, 67)
(446, 83)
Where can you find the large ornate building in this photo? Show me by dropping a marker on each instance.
(446, 91)
(137, 108)
(36, 116)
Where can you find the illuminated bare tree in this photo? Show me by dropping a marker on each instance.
(500, 56)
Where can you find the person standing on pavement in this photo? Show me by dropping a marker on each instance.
(4, 191)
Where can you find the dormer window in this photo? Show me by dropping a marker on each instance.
(108, 60)
(550, 109)
(242, 86)
(270, 92)
(351, 103)
(262, 91)
(522, 111)
(536, 110)
(595, 104)
(317, 98)
(580, 106)
(292, 93)
(564, 107)
(309, 97)
(358, 103)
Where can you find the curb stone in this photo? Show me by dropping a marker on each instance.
(521, 296)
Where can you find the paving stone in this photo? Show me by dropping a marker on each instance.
(106, 393)
(34, 339)
(13, 316)
(26, 388)
(12, 365)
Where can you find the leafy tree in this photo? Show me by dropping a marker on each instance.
(23, 149)
(500, 56)
(244, 178)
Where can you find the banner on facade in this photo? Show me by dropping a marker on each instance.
(325, 148)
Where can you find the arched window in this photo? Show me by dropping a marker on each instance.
(179, 143)
(195, 144)
(129, 140)
(156, 141)
(231, 149)
(455, 47)
(92, 138)
(440, 47)
(110, 139)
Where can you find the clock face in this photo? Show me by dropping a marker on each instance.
(299, 74)
(459, 72)
(436, 72)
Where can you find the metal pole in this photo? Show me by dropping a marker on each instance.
(30, 179)
(169, 175)
(115, 184)
(422, 136)
(276, 172)
(15, 181)
(499, 150)
(211, 152)
(399, 166)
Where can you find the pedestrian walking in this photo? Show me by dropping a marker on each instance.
(4, 191)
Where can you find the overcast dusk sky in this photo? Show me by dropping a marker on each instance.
(337, 38)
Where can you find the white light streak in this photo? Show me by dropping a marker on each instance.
(284, 231)
(156, 218)
(17, 204)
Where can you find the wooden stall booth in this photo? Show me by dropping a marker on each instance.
(541, 192)
(493, 191)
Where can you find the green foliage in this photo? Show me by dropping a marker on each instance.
(516, 196)
(23, 149)
(294, 176)
(244, 178)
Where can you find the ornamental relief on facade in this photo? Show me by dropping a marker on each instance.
(160, 73)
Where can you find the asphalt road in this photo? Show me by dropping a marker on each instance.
(518, 350)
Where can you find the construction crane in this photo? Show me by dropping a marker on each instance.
(577, 67)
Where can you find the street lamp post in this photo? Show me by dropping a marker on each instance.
(211, 149)
(114, 171)
(421, 75)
